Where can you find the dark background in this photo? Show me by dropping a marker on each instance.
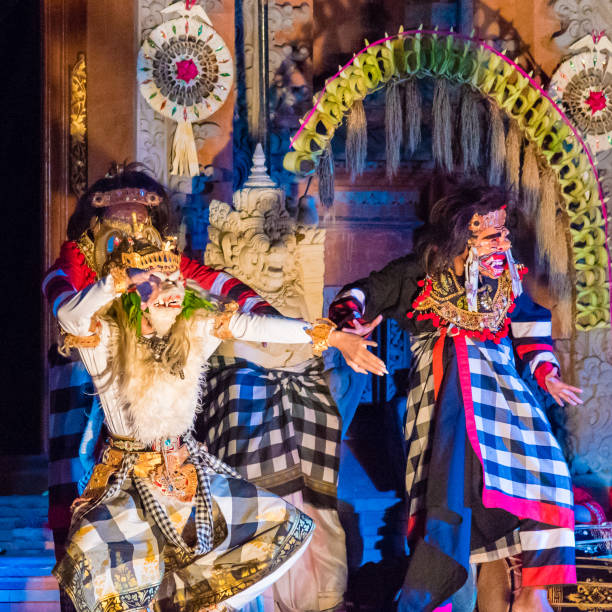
(21, 375)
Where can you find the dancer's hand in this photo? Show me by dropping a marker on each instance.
(363, 329)
(146, 284)
(356, 353)
(561, 392)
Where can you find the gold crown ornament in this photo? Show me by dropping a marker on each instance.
(111, 232)
(166, 259)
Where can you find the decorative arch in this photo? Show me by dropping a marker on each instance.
(464, 60)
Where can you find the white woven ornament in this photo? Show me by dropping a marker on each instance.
(582, 86)
(185, 72)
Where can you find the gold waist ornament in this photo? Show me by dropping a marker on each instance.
(166, 469)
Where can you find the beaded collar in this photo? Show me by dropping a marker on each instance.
(443, 301)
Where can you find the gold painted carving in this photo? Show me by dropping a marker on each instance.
(78, 126)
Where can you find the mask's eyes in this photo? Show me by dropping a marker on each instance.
(154, 279)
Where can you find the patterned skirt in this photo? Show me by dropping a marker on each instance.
(139, 542)
(278, 428)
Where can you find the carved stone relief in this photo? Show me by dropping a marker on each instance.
(281, 17)
(152, 129)
(580, 17)
(273, 247)
(589, 426)
(276, 249)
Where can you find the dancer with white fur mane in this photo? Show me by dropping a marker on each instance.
(163, 524)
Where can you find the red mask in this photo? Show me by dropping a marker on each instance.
(490, 241)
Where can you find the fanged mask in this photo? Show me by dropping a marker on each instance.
(489, 242)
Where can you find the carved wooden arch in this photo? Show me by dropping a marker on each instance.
(465, 60)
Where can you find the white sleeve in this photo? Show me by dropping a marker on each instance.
(260, 328)
(75, 314)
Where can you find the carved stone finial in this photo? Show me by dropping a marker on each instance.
(259, 176)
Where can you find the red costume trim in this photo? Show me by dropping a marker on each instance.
(527, 348)
(542, 371)
(548, 574)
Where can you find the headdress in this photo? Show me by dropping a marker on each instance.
(104, 199)
(494, 218)
(148, 256)
(144, 240)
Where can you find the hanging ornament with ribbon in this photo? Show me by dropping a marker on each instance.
(185, 72)
(582, 85)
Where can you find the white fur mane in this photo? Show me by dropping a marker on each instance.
(159, 404)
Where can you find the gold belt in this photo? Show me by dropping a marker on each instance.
(164, 468)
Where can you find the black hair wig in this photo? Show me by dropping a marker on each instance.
(447, 232)
(131, 175)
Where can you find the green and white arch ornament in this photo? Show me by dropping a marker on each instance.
(562, 154)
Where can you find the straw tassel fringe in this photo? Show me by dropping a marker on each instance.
(513, 155)
(497, 145)
(413, 113)
(442, 127)
(326, 177)
(470, 131)
(356, 139)
(393, 128)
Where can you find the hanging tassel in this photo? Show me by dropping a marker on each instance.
(497, 145)
(356, 140)
(530, 182)
(513, 155)
(413, 111)
(470, 131)
(472, 270)
(564, 314)
(546, 226)
(393, 128)
(559, 257)
(442, 126)
(517, 284)
(184, 153)
(325, 173)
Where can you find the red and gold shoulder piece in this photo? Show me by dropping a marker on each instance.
(442, 301)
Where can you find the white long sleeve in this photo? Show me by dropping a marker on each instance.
(75, 315)
(260, 328)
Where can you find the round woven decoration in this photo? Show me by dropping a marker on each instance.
(185, 70)
(582, 86)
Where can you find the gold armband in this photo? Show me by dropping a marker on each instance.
(222, 320)
(120, 279)
(71, 341)
(320, 333)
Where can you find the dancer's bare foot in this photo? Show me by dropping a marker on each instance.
(532, 599)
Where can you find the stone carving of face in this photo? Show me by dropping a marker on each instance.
(490, 241)
(268, 269)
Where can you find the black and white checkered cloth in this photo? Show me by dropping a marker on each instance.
(523, 466)
(278, 428)
(127, 550)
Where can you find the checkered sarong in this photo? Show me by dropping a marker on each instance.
(523, 466)
(127, 550)
(278, 428)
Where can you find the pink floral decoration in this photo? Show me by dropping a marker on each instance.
(186, 70)
(596, 100)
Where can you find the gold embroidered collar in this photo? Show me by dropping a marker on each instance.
(443, 301)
